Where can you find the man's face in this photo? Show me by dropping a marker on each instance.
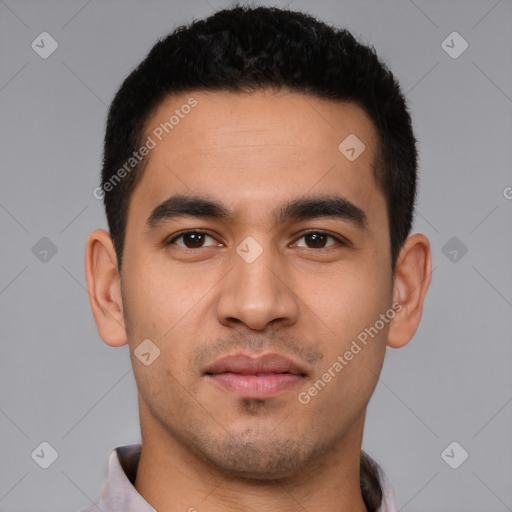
(256, 284)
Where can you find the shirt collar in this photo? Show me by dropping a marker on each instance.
(119, 495)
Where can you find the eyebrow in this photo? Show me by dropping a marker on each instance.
(301, 208)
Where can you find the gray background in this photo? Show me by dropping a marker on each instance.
(59, 383)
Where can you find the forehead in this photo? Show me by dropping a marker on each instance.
(268, 118)
(255, 150)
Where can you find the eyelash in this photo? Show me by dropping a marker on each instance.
(340, 241)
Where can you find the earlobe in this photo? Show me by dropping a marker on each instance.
(412, 279)
(104, 287)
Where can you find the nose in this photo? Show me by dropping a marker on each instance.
(257, 293)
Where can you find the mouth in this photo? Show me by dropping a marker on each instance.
(255, 377)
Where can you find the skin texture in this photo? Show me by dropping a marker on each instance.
(207, 448)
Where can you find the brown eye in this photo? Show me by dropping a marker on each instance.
(318, 240)
(191, 239)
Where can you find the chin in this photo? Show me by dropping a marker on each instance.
(247, 457)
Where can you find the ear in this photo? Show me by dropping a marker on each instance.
(412, 279)
(104, 286)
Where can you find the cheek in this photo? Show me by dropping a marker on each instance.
(347, 301)
(166, 307)
(348, 325)
(353, 358)
(159, 297)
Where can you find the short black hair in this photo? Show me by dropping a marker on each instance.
(243, 49)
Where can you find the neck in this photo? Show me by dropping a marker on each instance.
(172, 478)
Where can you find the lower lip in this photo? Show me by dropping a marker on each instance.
(256, 386)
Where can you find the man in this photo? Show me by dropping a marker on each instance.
(259, 182)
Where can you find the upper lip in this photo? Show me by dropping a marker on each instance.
(252, 365)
